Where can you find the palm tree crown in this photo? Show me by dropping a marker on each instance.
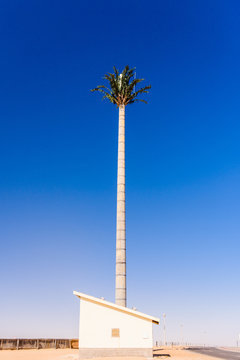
(122, 89)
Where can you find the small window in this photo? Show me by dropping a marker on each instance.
(115, 333)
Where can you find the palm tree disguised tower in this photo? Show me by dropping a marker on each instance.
(121, 92)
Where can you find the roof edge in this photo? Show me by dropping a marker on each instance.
(116, 307)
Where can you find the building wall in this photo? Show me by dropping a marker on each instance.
(16, 344)
(97, 322)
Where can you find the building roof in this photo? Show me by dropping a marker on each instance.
(116, 307)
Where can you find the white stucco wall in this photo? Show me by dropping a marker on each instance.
(97, 322)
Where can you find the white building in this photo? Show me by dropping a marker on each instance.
(107, 329)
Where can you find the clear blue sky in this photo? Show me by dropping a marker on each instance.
(58, 164)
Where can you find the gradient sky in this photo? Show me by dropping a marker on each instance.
(58, 164)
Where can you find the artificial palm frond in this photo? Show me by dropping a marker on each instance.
(122, 87)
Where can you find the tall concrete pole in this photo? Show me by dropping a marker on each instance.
(120, 291)
(164, 330)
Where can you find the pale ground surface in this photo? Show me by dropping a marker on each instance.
(178, 353)
(72, 354)
(43, 354)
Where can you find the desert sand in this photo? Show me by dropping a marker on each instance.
(68, 354)
(179, 353)
(43, 354)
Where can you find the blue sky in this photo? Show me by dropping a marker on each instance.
(58, 163)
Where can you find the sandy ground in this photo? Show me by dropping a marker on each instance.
(67, 354)
(43, 354)
(180, 354)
